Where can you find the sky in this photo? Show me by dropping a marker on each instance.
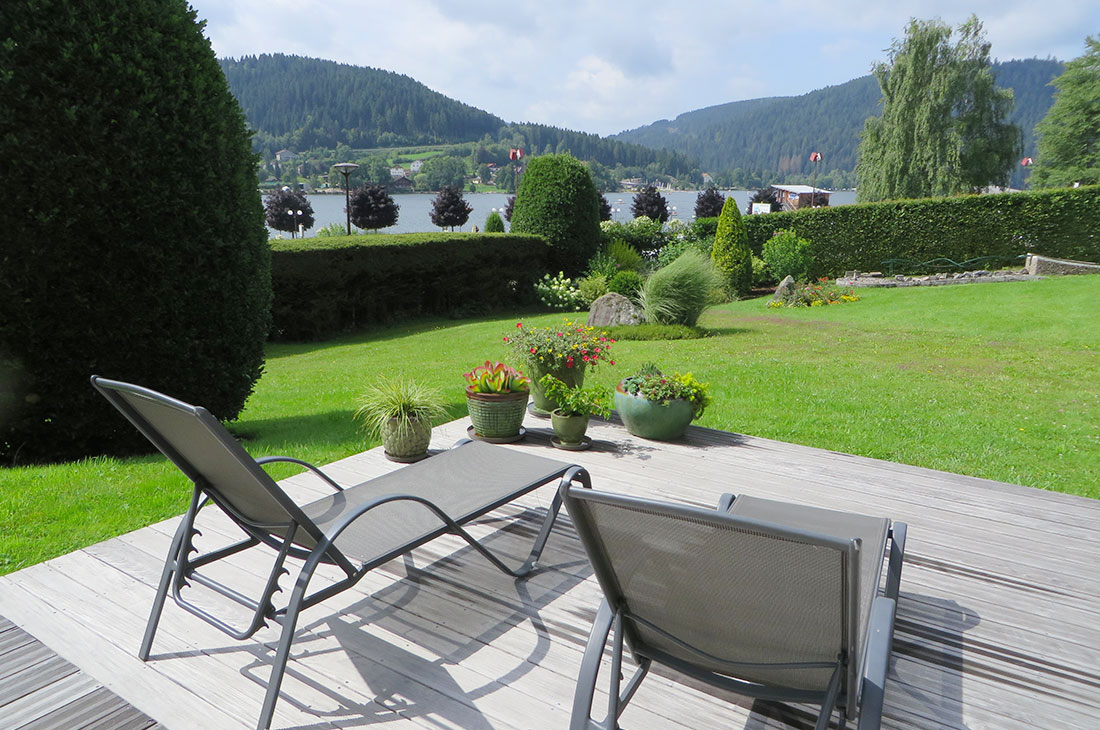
(604, 67)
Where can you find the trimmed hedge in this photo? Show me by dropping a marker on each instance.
(1063, 223)
(325, 286)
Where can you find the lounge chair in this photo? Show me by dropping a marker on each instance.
(771, 600)
(355, 529)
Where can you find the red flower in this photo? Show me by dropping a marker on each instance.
(519, 324)
(612, 362)
(506, 339)
(534, 350)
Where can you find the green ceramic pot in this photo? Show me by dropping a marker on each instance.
(406, 444)
(497, 415)
(650, 419)
(543, 406)
(569, 429)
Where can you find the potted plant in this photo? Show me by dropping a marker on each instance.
(574, 406)
(564, 351)
(658, 406)
(496, 396)
(401, 413)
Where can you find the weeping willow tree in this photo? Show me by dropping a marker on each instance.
(944, 127)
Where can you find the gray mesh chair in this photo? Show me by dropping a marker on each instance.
(770, 600)
(356, 529)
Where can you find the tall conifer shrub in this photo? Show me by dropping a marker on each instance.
(731, 253)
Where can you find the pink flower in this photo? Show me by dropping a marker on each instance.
(612, 362)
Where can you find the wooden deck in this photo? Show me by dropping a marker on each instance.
(997, 622)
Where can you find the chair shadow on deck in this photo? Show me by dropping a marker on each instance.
(447, 610)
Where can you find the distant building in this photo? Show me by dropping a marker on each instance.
(794, 197)
(402, 184)
(416, 165)
(632, 183)
(396, 172)
(285, 156)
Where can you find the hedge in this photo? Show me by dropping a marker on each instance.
(326, 286)
(1063, 223)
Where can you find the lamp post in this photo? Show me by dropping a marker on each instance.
(346, 168)
(815, 157)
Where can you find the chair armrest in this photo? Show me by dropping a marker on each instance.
(880, 638)
(268, 459)
(897, 556)
(725, 502)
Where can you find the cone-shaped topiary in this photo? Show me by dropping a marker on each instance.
(494, 223)
(731, 252)
(134, 243)
(557, 200)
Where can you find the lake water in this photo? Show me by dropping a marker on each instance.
(415, 208)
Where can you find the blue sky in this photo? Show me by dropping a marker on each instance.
(604, 67)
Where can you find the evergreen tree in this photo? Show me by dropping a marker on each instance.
(372, 207)
(509, 208)
(731, 253)
(605, 208)
(1069, 135)
(494, 223)
(450, 209)
(650, 203)
(708, 204)
(145, 259)
(942, 129)
(558, 201)
(287, 210)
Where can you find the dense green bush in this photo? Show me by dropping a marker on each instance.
(626, 283)
(1062, 223)
(731, 254)
(134, 242)
(592, 287)
(332, 285)
(642, 234)
(678, 293)
(557, 200)
(494, 223)
(788, 254)
(626, 258)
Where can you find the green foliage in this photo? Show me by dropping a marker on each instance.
(602, 264)
(731, 254)
(816, 294)
(650, 204)
(786, 254)
(708, 204)
(144, 257)
(286, 209)
(698, 235)
(400, 400)
(1069, 134)
(626, 257)
(649, 332)
(556, 200)
(496, 377)
(605, 209)
(628, 283)
(324, 286)
(592, 287)
(678, 293)
(372, 207)
(943, 128)
(494, 223)
(450, 209)
(332, 230)
(650, 383)
(1063, 223)
(559, 292)
(643, 234)
(761, 275)
(592, 401)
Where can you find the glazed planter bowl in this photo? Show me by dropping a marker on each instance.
(406, 444)
(497, 415)
(650, 419)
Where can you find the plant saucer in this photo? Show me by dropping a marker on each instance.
(496, 439)
(584, 443)
(537, 412)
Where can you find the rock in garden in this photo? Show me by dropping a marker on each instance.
(613, 309)
(785, 289)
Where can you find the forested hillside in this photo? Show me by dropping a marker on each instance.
(762, 138)
(308, 104)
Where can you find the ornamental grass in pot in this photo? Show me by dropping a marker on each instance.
(496, 396)
(401, 413)
(656, 406)
(564, 350)
(574, 406)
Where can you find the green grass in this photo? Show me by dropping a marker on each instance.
(1000, 381)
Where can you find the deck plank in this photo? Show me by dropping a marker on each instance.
(997, 619)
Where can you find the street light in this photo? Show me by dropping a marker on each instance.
(346, 168)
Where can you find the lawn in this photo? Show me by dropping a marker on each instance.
(1000, 381)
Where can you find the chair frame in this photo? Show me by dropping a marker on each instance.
(614, 620)
(181, 567)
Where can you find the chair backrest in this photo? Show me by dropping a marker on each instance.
(721, 593)
(199, 445)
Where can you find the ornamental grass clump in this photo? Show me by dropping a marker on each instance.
(565, 346)
(678, 293)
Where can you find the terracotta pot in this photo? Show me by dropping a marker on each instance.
(497, 415)
(650, 419)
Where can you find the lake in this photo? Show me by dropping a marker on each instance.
(415, 208)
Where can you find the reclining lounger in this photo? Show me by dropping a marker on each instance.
(356, 529)
(771, 600)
